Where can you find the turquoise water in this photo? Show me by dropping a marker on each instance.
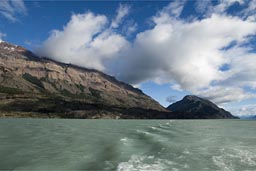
(58, 144)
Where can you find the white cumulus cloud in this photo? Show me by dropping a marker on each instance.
(189, 54)
(186, 52)
(85, 41)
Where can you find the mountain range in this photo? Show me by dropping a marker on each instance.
(40, 87)
(250, 117)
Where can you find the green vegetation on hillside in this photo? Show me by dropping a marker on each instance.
(9, 90)
(33, 80)
(95, 93)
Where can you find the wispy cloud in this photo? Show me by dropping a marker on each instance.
(244, 110)
(10, 9)
(225, 94)
(207, 7)
(171, 99)
(122, 11)
(2, 35)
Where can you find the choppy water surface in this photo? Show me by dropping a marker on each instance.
(56, 144)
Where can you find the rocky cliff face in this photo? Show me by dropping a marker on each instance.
(193, 107)
(32, 84)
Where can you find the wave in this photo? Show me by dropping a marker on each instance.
(144, 163)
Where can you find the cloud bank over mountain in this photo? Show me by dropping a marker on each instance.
(209, 55)
(85, 41)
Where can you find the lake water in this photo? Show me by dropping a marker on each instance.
(58, 144)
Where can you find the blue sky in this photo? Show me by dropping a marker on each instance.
(166, 48)
(41, 17)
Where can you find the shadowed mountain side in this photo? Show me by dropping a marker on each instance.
(194, 107)
(60, 108)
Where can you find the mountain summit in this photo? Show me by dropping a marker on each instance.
(29, 84)
(193, 107)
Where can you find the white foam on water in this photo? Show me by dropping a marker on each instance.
(186, 151)
(154, 128)
(144, 163)
(229, 158)
(160, 129)
(124, 139)
(169, 123)
(246, 156)
(143, 132)
(155, 136)
(163, 126)
(221, 163)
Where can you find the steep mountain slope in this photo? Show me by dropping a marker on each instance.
(193, 107)
(29, 84)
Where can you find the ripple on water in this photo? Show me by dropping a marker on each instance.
(127, 146)
(159, 129)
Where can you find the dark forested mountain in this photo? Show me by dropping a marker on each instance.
(194, 107)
